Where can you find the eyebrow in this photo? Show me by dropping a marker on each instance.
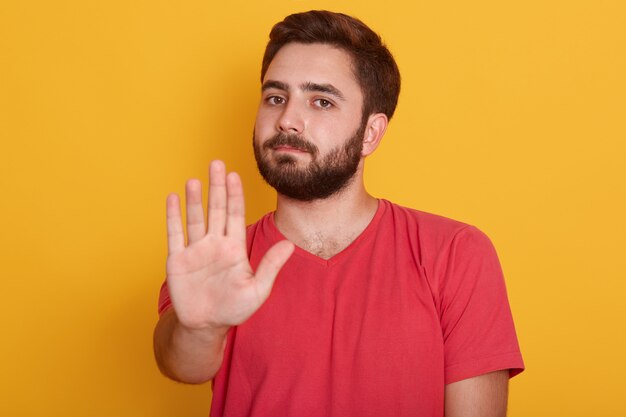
(274, 84)
(308, 86)
(322, 88)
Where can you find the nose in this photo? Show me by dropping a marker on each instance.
(291, 119)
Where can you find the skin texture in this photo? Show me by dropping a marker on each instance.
(289, 105)
(211, 284)
(482, 396)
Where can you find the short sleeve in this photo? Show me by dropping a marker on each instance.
(477, 325)
(164, 299)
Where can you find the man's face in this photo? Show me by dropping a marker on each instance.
(308, 133)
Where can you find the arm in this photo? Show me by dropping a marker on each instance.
(210, 280)
(187, 355)
(481, 396)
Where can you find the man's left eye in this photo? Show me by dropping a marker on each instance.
(323, 103)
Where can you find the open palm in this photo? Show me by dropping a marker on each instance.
(210, 280)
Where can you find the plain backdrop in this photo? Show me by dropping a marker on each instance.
(511, 118)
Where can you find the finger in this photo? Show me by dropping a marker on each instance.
(195, 214)
(236, 219)
(175, 235)
(217, 198)
(271, 264)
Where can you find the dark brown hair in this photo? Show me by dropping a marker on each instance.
(373, 65)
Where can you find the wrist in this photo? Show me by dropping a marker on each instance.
(207, 333)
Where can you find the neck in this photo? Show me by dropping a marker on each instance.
(327, 226)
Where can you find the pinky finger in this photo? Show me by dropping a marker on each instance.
(175, 235)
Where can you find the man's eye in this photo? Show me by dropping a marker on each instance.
(275, 100)
(323, 103)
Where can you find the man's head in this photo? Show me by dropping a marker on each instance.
(328, 89)
(373, 65)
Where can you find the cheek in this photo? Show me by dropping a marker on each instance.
(328, 133)
(263, 123)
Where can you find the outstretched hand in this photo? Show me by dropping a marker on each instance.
(210, 280)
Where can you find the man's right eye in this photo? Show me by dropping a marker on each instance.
(275, 100)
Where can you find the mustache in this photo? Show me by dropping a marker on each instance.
(292, 140)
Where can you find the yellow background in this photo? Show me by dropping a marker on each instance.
(512, 117)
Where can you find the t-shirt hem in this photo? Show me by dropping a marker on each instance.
(511, 361)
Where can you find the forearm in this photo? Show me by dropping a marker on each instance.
(186, 355)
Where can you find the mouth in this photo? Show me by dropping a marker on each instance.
(290, 149)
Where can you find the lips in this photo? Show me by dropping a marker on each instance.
(287, 148)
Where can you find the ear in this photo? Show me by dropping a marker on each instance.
(374, 131)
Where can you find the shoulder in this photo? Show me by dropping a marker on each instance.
(259, 225)
(429, 226)
(262, 233)
(434, 239)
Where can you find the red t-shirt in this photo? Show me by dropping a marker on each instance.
(417, 301)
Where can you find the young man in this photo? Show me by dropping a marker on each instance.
(336, 304)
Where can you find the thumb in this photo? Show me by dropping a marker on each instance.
(271, 264)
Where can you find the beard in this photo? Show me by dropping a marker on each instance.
(323, 177)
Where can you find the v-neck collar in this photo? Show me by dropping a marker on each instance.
(363, 236)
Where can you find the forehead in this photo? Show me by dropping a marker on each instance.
(297, 63)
